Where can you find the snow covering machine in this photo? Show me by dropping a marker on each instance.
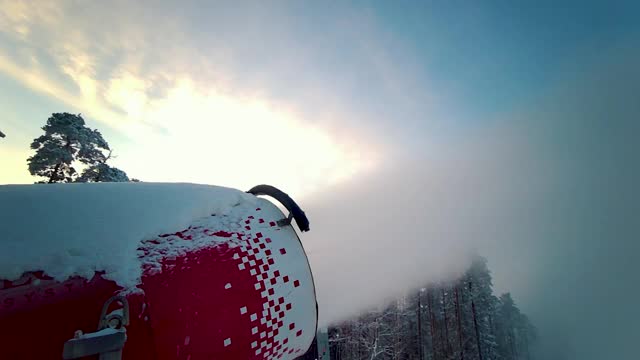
(234, 284)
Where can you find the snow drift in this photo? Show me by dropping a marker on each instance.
(78, 229)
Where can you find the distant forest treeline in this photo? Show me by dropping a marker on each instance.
(460, 320)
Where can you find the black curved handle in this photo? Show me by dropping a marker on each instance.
(294, 210)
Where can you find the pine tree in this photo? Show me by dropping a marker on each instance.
(66, 139)
(478, 304)
(516, 333)
(459, 323)
(102, 172)
(420, 330)
(529, 335)
(433, 327)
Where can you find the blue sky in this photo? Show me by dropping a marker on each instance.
(507, 122)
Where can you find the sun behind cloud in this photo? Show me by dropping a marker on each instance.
(233, 141)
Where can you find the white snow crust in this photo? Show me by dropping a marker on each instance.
(77, 229)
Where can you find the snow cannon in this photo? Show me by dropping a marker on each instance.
(153, 271)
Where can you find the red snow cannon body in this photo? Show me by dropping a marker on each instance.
(244, 291)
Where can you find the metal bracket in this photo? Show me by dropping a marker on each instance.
(295, 212)
(107, 343)
(286, 221)
(110, 338)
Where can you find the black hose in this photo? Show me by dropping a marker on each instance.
(294, 210)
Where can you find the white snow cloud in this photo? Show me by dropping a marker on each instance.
(548, 194)
(417, 219)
